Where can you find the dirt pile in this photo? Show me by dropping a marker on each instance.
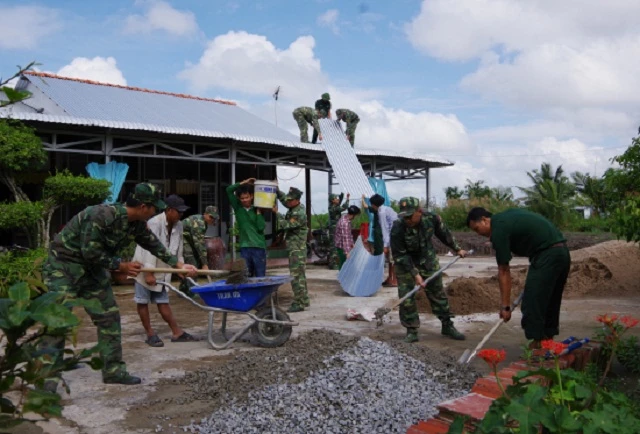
(607, 269)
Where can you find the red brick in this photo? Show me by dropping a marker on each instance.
(507, 374)
(473, 405)
(488, 386)
(432, 426)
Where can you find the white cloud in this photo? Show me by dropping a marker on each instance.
(23, 27)
(99, 69)
(161, 16)
(329, 19)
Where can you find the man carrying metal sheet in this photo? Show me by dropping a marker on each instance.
(294, 226)
(305, 116)
(416, 260)
(351, 119)
(335, 211)
(323, 108)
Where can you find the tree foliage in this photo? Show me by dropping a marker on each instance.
(550, 194)
(13, 96)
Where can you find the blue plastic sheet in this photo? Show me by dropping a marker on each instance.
(363, 273)
(113, 172)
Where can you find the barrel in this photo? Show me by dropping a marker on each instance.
(216, 253)
(264, 194)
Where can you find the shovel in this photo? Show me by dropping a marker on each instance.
(468, 354)
(391, 304)
(216, 273)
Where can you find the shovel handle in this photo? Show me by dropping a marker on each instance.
(181, 271)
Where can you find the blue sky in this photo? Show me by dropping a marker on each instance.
(498, 86)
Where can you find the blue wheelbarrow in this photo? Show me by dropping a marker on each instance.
(270, 326)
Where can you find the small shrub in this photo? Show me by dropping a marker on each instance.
(454, 214)
(20, 267)
(628, 354)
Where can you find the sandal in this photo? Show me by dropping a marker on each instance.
(185, 337)
(154, 341)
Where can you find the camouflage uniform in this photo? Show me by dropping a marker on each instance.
(414, 254)
(323, 108)
(351, 119)
(305, 116)
(78, 261)
(195, 228)
(335, 211)
(294, 225)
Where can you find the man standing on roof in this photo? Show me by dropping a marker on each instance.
(168, 228)
(343, 236)
(323, 108)
(253, 247)
(305, 116)
(416, 260)
(195, 247)
(526, 233)
(294, 226)
(335, 211)
(351, 119)
(83, 252)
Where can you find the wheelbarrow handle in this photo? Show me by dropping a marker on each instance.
(183, 271)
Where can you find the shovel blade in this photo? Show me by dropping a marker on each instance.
(464, 358)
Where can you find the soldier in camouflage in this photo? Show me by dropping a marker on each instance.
(336, 207)
(78, 263)
(416, 260)
(305, 116)
(195, 248)
(351, 119)
(323, 108)
(294, 225)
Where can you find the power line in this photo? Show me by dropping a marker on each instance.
(534, 155)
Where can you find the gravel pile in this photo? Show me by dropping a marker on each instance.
(336, 384)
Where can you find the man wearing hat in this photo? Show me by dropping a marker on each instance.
(168, 228)
(416, 260)
(335, 211)
(306, 116)
(323, 108)
(351, 119)
(294, 226)
(80, 257)
(194, 229)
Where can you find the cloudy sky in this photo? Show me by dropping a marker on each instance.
(498, 86)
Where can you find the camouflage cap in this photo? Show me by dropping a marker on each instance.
(332, 197)
(294, 194)
(212, 210)
(326, 96)
(148, 194)
(408, 205)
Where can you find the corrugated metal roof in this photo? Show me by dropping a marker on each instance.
(81, 102)
(343, 159)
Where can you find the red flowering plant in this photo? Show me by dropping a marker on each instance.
(554, 400)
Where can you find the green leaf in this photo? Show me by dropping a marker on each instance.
(582, 392)
(562, 421)
(6, 383)
(5, 304)
(18, 315)
(6, 406)
(55, 316)
(457, 426)
(529, 409)
(19, 292)
(42, 402)
(15, 95)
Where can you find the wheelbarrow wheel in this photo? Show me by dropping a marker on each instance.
(271, 335)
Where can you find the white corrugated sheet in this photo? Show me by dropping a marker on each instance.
(362, 274)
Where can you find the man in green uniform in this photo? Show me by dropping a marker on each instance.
(253, 247)
(78, 263)
(294, 226)
(528, 234)
(416, 260)
(336, 207)
(305, 116)
(195, 247)
(351, 119)
(323, 108)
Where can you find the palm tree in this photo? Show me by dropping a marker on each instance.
(453, 193)
(476, 189)
(550, 194)
(591, 191)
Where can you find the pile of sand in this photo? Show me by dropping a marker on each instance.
(609, 269)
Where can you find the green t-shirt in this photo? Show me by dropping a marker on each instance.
(250, 223)
(522, 232)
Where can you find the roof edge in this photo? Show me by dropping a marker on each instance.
(137, 89)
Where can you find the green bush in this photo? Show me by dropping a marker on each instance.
(319, 221)
(577, 223)
(628, 353)
(20, 267)
(454, 214)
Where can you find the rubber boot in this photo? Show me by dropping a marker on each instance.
(448, 329)
(412, 336)
(295, 308)
(122, 379)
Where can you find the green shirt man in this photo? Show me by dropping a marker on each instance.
(528, 234)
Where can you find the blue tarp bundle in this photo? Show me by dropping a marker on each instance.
(363, 273)
(113, 172)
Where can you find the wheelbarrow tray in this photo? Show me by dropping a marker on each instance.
(241, 297)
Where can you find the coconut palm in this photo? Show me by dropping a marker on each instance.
(550, 194)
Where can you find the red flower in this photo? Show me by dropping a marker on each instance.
(554, 347)
(629, 321)
(492, 357)
(607, 319)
